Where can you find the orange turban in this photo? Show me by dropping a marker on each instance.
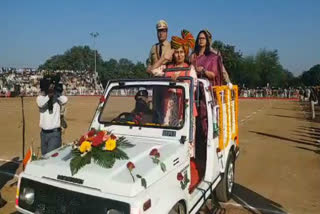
(186, 42)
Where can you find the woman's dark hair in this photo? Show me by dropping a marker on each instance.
(197, 47)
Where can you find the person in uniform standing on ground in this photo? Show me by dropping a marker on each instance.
(159, 49)
(313, 101)
(49, 103)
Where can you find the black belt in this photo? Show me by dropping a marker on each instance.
(51, 130)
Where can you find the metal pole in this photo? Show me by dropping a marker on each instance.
(95, 61)
(23, 127)
(94, 36)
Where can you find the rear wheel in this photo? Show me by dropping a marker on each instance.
(225, 187)
(179, 208)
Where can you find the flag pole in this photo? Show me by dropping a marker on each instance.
(23, 127)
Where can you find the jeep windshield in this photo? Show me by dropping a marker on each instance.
(151, 106)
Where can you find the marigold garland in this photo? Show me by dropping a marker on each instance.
(229, 127)
(227, 98)
(234, 120)
(218, 90)
(236, 103)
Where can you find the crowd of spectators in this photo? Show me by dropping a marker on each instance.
(270, 92)
(306, 93)
(26, 82)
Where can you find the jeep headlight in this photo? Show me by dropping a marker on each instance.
(114, 211)
(27, 195)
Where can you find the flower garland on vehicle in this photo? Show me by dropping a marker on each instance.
(218, 90)
(237, 112)
(228, 100)
(103, 147)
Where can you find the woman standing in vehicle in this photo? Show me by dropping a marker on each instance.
(173, 97)
(208, 63)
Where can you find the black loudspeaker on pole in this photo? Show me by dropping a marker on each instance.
(23, 128)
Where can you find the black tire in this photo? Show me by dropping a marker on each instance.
(178, 208)
(225, 187)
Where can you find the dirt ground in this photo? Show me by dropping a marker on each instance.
(278, 170)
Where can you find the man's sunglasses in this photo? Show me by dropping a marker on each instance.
(162, 30)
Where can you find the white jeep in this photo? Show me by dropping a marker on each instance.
(178, 159)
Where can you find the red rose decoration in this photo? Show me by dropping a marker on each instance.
(101, 133)
(180, 176)
(113, 137)
(82, 138)
(155, 152)
(102, 99)
(55, 154)
(130, 166)
(91, 132)
(97, 141)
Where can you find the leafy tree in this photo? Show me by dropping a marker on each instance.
(77, 58)
(82, 58)
(312, 76)
(231, 58)
(268, 66)
(251, 71)
(248, 75)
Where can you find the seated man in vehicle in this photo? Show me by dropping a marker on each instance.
(142, 109)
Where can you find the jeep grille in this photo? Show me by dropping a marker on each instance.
(50, 199)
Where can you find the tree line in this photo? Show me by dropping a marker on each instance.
(250, 71)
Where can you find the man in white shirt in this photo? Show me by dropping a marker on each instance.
(50, 104)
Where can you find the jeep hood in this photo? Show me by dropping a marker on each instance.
(116, 180)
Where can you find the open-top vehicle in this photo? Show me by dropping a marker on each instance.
(152, 154)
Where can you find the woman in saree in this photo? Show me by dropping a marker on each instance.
(208, 62)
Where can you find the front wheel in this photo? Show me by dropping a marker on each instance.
(179, 208)
(225, 187)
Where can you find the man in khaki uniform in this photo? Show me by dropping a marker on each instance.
(159, 49)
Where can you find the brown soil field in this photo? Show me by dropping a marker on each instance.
(278, 170)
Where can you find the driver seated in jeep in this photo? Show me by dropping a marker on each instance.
(142, 107)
